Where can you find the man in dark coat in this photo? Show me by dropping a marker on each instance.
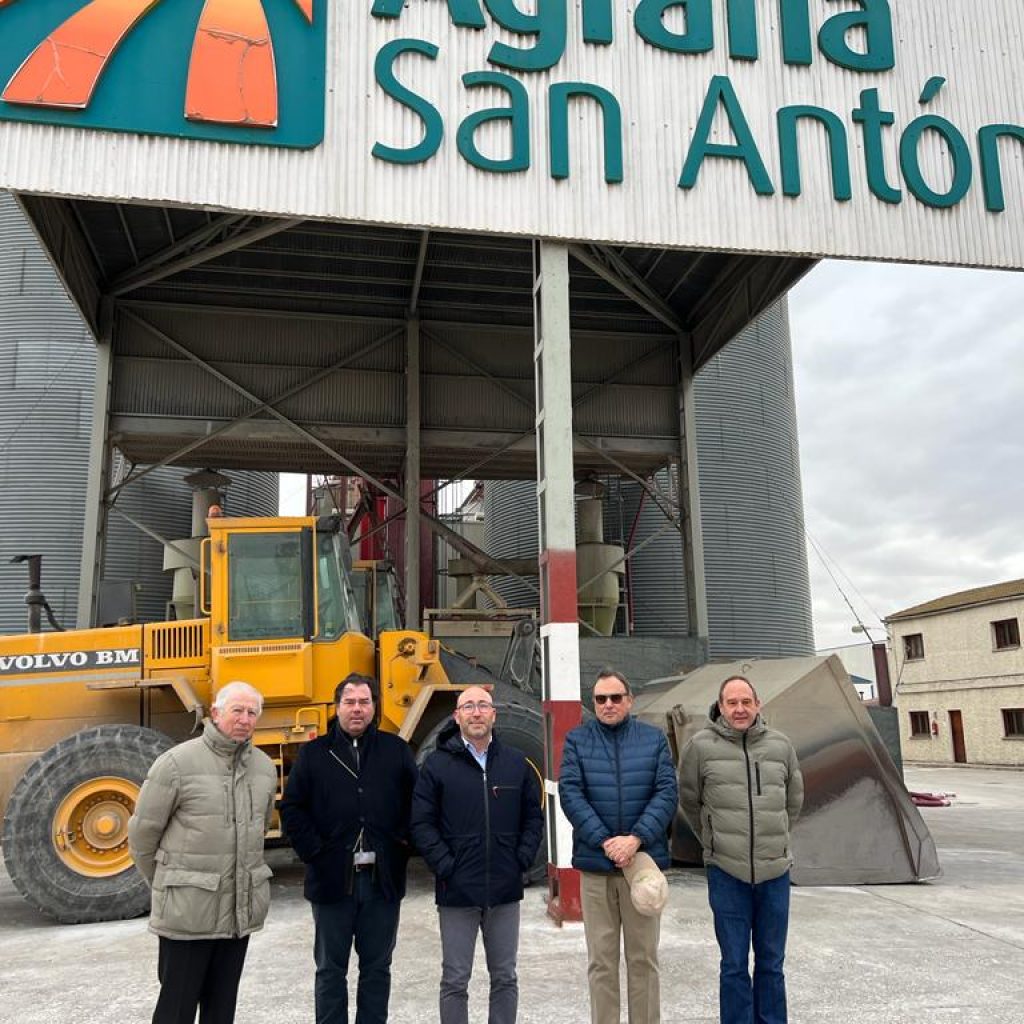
(617, 787)
(476, 819)
(346, 812)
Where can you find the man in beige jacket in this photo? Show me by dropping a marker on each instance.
(197, 838)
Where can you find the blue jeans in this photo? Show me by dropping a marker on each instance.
(750, 915)
(370, 921)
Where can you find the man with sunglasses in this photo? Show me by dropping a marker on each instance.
(617, 786)
(476, 819)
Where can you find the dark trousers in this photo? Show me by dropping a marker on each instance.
(199, 974)
(499, 927)
(369, 921)
(750, 916)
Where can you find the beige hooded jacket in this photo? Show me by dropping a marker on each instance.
(197, 837)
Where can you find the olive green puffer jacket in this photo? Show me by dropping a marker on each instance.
(197, 837)
(740, 792)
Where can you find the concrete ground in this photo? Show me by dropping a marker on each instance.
(937, 953)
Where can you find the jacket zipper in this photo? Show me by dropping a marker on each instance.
(750, 804)
(487, 841)
(618, 780)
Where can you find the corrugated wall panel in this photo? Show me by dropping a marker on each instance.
(47, 367)
(974, 47)
(47, 357)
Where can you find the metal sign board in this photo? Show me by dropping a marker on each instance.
(860, 128)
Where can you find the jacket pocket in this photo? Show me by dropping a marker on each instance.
(191, 900)
(259, 895)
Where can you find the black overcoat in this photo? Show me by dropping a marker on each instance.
(329, 799)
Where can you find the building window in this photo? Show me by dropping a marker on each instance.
(1006, 633)
(919, 724)
(913, 647)
(1013, 722)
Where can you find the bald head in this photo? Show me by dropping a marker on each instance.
(475, 715)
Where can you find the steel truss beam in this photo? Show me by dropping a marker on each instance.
(608, 265)
(187, 257)
(280, 397)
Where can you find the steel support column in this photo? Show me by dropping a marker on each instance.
(689, 498)
(412, 474)
(94, 527)
(560, 643)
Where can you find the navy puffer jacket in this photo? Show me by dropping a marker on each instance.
(617, 781)
(478, 831)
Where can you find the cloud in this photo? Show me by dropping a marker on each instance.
(909, 384)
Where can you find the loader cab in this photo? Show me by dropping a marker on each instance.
(283, 614)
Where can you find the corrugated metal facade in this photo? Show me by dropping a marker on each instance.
(660, 94)
(47, 368)
(751, 511)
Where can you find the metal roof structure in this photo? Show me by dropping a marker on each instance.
(249, 342)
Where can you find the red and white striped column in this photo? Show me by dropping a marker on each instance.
(559, 632)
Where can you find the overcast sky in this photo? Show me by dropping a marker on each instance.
(910, 391)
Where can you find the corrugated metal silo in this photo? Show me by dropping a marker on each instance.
(759, 599)
(47, 368)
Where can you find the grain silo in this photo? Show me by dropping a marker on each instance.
(47, 369)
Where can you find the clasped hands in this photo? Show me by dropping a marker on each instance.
(621, 850)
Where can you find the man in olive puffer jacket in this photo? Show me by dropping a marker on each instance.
(197, 838)
(740, 790)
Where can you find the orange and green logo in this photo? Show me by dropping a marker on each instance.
(247, 71)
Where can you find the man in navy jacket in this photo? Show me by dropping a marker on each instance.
(476, 819)
(618, 789)
(346, 812)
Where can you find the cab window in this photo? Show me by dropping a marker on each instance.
(264, 586)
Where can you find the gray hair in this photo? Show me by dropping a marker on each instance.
(228, 690)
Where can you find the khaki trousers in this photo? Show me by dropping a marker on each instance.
(607, 911)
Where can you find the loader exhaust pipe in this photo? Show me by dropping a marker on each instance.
(34, 597)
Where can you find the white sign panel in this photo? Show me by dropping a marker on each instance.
(858, 128)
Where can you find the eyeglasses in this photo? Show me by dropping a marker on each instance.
(476, 705)
(603, 698)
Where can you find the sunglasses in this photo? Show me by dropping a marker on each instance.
(603, 698)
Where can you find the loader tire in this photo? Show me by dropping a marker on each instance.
(519, 725)
(65, 828)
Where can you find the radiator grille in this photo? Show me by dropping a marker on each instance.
(185, 641)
